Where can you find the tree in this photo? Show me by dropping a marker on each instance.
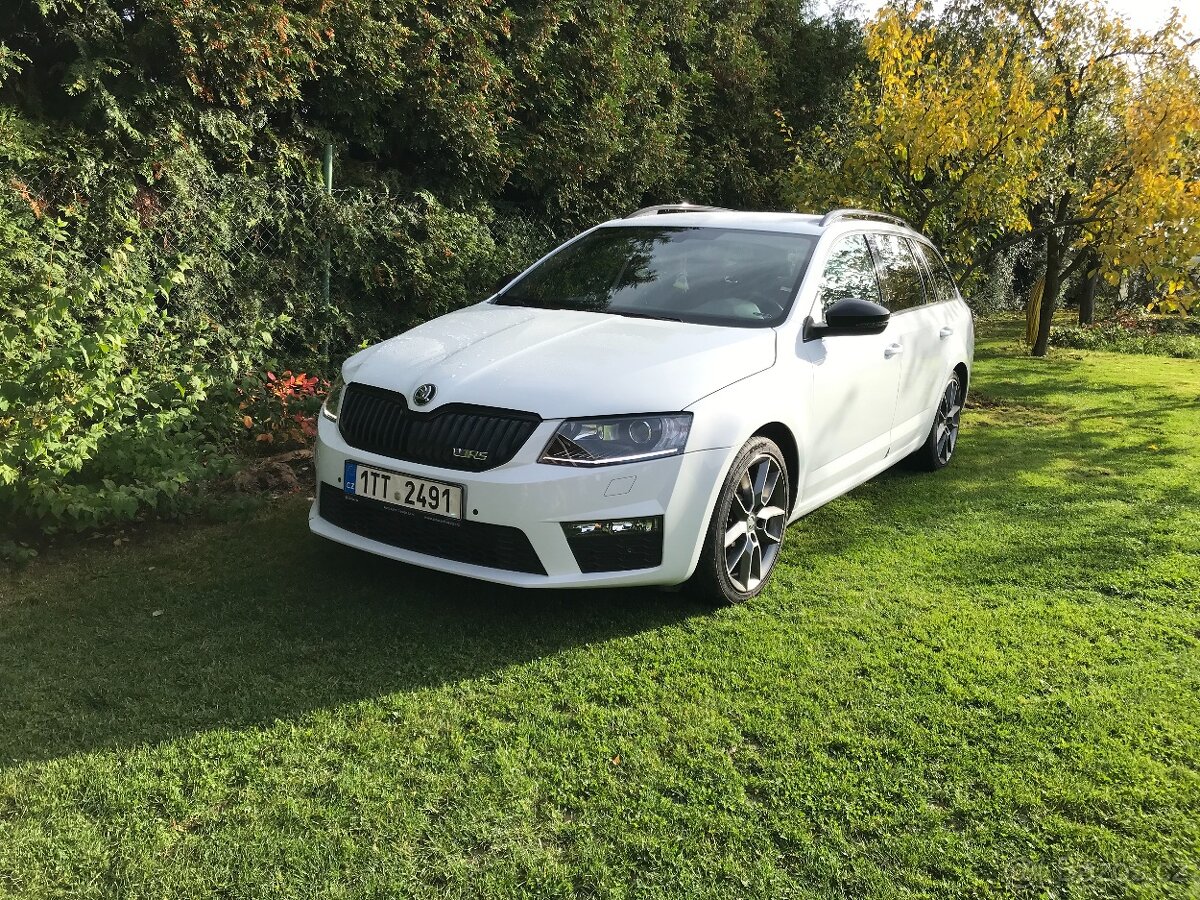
(1118, 189)
(943, 129)
(1050, 121)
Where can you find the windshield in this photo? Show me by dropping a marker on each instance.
(719, 276)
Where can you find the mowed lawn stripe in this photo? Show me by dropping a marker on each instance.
(984, 682)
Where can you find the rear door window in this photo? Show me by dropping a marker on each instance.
(942, 283)
(898, 270)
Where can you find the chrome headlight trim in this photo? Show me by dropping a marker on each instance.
(614, 440)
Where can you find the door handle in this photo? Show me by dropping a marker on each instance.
(945, 332)
(892, 350)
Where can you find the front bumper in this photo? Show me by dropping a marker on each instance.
(537, 498)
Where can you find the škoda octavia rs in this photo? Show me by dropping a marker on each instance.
(651, 403)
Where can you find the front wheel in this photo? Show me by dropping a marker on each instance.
(745, 533)
(939, 446)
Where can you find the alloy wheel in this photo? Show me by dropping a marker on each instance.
(946, 424)
(755, 523)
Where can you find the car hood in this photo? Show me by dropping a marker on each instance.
(563, 363)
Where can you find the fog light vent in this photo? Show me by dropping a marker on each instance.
(616, 545)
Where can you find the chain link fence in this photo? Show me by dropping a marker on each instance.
(255, 248)
(322, 269)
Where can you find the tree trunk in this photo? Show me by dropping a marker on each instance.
(1054, 275)
(1087, 292)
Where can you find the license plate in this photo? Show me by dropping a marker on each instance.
(408, 491)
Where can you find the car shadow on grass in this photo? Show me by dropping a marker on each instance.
(244, 624)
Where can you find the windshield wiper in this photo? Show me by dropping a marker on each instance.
(640, 315)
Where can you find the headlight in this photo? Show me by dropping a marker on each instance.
(333, 400)
(619, 439)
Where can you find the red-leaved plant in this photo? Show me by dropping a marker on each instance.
(280, 411)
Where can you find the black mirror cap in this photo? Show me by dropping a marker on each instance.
(848, 317)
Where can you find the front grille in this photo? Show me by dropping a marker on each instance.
(380, 421)
(477, 543)
(617, 552)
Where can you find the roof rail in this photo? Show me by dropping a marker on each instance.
(836, 214)
(674, 208)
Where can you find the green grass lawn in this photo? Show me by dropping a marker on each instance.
(984, 682)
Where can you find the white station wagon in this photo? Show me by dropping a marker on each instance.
(653, 402)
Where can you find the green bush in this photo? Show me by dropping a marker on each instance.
(164, 230)
(1157, 336)
(105, 395)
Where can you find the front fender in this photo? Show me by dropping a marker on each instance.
(728, 418)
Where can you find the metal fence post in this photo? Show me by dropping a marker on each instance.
(328, 172)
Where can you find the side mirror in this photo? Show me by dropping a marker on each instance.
(504, 281)
(848, 317)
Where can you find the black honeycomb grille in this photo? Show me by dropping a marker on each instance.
(380, 421)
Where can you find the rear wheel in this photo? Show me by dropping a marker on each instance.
(939, 446)
(745, 533)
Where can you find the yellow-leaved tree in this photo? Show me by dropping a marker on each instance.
(1006, 121)
(944, 128)
(1119, 188)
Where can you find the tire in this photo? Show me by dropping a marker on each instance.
(734, 566)
(938, 448)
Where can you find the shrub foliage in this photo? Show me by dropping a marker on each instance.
(164, 233)
(1152, 335)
